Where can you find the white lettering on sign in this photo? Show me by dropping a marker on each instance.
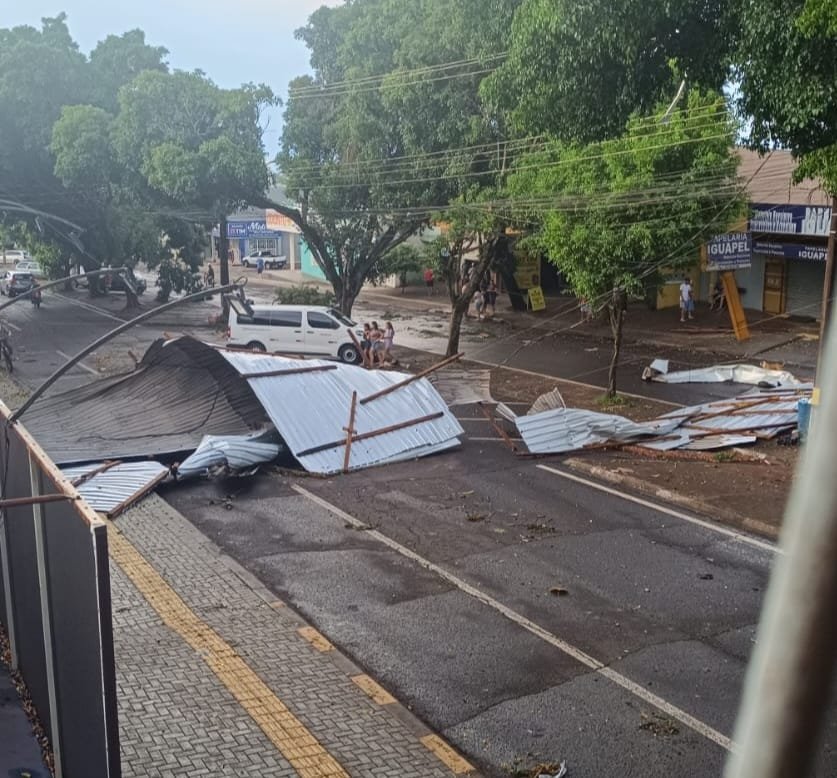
(772, 221)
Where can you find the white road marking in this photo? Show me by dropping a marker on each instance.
(80, 364)
(530, 626)
(13, 326)
(89, 307)
(737, 536)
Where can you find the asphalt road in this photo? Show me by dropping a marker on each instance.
(526, 616)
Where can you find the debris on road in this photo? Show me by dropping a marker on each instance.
(758, 414)
(463, 386)
(112, 487)
(737, 374)
(184, 390)
(230, 454)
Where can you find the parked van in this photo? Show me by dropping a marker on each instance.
(309, 330)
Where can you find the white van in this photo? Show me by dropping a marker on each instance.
(292, 329)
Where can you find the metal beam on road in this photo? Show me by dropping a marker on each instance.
(109, 336)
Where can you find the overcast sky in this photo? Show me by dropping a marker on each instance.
(232, 41)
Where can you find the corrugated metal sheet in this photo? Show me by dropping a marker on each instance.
(462, 386)
(236, 452)
(569, 429)
(737, 374)
(312, 409)
(180, 392)
(758, 413)
(120, 486)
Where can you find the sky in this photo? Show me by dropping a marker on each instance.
(233, 42)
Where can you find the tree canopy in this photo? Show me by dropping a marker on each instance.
(613, 215)
(121, 147)
(791, 99)
(578, 70)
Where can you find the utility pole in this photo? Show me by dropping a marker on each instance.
(224, 251)
(828, 286)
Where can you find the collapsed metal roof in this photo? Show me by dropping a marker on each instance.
(310, 404)
(184, 389)
(111, 487)
(756, 414)
(177, 394)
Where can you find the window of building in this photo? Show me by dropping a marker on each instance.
(273, 245)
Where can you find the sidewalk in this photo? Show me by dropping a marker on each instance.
(773, 338)
(217, 677)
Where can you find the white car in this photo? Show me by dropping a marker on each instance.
(14, 256)
(309, 330)
(30, 266)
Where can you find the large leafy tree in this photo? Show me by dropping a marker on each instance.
(68, 210)
(612, 214)
(366, 153)
(578, 70)
(788, 80)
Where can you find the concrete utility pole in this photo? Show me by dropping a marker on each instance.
(224, 251)
(828, 286)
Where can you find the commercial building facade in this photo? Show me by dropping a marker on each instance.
(778, 252)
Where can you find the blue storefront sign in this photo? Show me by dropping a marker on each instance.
(729, 252)
(250, 229)
(811, 220)
(790, 250)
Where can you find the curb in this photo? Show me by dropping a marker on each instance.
(705, 510)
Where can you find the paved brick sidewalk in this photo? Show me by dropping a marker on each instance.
(218, 678)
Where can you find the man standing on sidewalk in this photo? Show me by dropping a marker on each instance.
(428, 281)
(687, 302)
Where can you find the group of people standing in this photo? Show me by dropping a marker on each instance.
(376, 345)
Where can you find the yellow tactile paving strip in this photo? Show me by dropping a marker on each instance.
(316, 639)
(453, 761)
(373, 690)
(302, 750)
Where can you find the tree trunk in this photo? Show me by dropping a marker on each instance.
(616, 313)
(456, 315)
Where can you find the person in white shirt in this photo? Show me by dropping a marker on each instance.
(687, 302)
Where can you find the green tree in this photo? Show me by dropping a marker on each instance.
(73, 211)
(791, 100)
(366, 150)
(399, 262)
(578, 70)
(612, 214)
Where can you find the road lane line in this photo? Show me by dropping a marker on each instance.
(293, 740)
(79, 364)
(732, 534)
(562, 645)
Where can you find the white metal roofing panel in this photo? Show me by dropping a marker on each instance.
(237, 452)
(311, 409)
(569, 429)
(121, 485)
